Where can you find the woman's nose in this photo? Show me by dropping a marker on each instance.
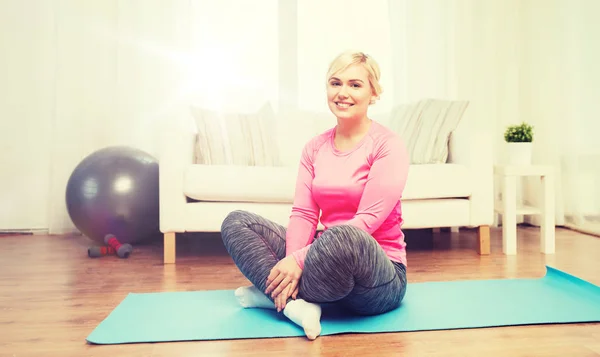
(343, 92)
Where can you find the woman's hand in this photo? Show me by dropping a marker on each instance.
(281, 299)
(283, 280)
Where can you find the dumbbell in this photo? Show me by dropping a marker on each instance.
(95, 252)
(123, 250)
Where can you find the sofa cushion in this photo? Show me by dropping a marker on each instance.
(276, 184)
(437, 181)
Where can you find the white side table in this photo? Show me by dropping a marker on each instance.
(509, 209)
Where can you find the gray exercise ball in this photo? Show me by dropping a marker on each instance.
(115, 191)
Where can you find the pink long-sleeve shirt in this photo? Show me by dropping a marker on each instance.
(361, 187)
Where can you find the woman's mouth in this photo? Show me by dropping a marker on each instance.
(343, 105)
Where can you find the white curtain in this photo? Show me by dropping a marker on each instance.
(326, 28)
(560, 89)
(124, 68)
(81, 75)
(514, 61)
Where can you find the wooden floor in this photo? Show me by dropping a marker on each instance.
(52, 296)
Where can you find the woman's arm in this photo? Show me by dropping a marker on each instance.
(385, 184)
(305, 211)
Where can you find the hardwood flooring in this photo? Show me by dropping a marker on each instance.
(52, 296)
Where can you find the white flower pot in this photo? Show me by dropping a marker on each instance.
(518, 154)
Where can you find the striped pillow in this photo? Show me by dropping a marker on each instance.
(425, 127)
(241, 139)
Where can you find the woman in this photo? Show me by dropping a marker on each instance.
(353, 175)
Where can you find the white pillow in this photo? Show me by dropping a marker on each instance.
(242, 139)
(425, 127)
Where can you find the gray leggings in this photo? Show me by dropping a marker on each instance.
(345, 264)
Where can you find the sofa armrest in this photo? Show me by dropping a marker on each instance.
(471, 145)
(176, 152)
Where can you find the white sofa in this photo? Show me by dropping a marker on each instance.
(197, 197)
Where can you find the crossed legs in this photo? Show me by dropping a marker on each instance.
(344, 265)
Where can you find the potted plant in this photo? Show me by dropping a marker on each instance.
(519, 139)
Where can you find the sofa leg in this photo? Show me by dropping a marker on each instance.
(169, 247)
(484, 240)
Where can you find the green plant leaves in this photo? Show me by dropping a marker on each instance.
(522, 133)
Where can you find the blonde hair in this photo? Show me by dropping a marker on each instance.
(348, 58)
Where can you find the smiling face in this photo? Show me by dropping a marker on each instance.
(349, 92)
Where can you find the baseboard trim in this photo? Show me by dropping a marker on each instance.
(583, 230)
(34, 232)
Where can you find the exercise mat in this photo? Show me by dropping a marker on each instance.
(557, 297)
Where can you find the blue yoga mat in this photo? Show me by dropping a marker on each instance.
(211, 315)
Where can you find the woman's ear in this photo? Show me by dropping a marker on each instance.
(373, 99)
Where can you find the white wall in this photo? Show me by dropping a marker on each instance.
(27, 92)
